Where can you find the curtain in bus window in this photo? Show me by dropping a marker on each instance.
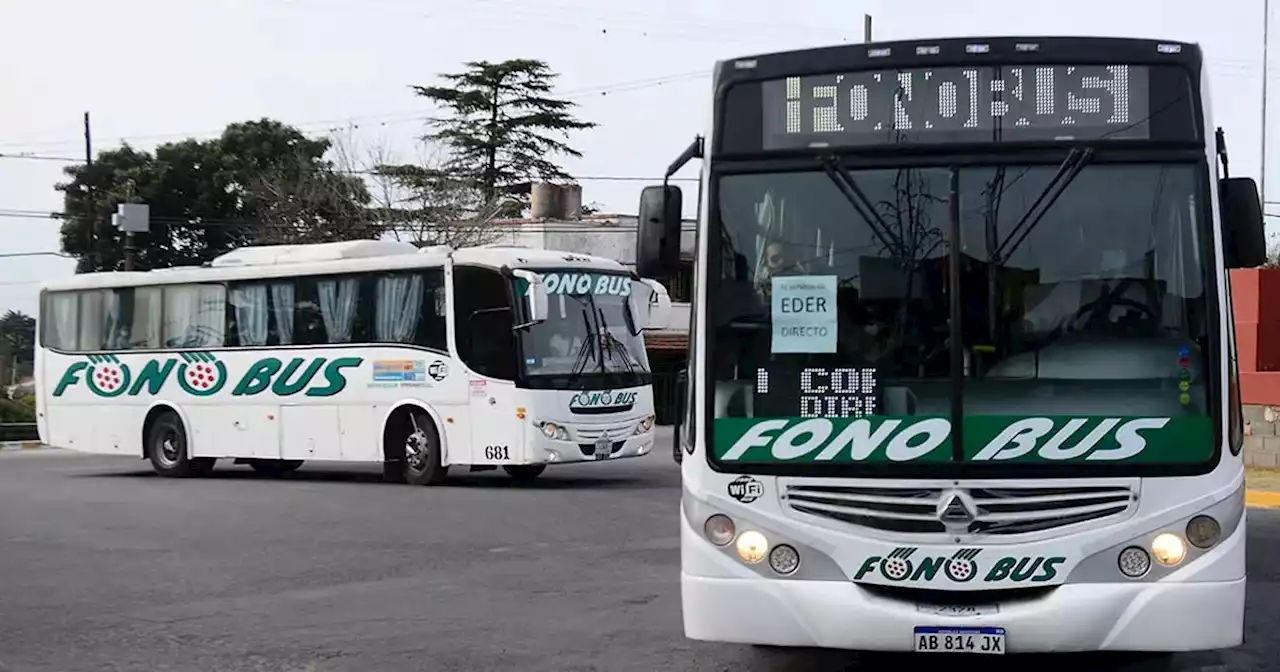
(252, 318)
(92, 324)
(282, 306)
(115, 334)
(338, 308)
(398, 308)
(62, 312)
(194, 316)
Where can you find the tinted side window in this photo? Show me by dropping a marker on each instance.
(195, 316)
(483, 320)
(409, 308)
(261, 313)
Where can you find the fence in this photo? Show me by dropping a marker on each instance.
(19, 431)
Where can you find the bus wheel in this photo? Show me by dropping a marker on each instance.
(419, 442)
(167, 449)
(275, 467)
(524, 472)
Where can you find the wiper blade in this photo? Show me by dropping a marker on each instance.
(861, 204)
(611, 342)
(1071, 166)
(588, 349)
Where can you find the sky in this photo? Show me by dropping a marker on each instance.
(153, 71)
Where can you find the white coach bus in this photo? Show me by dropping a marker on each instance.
(962, 356)
(363, 351)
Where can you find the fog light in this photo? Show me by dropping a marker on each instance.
(752, 547)
(719, 529)
(784, 559)
(1168, 549)
(1134, 562)
(1203, 531)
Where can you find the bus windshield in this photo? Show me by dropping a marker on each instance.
(586, 332)
(1080, 315)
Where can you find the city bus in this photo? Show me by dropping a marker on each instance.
(360, 351)
(962, 362)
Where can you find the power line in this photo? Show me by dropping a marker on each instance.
(334, 123)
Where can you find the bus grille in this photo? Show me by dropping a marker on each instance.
(1005, 510)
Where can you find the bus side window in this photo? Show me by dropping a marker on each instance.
(483, 322)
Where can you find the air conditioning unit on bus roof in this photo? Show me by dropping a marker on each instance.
(267, 255)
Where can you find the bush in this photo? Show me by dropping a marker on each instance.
(16, 411)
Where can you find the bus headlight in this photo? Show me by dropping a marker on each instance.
(553, 431)
(752, 547)
(1203, 531)
(1168, 549)
(1134, 562)
(719, 529)
(784, 559)
(645, 425)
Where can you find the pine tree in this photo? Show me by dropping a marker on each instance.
(504, 126)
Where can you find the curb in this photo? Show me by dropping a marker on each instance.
(21, 445)
(1261, 499)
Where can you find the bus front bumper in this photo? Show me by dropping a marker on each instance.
(1164, 616)
(566, 452)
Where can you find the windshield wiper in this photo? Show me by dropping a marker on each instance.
(611, 342)
(588, 349)
(862, 205)
(1067, 171)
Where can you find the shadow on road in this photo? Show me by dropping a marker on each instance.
(488, 480)
(804, 660)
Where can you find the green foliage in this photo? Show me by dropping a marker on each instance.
(503, 126)
(13, 411)
(259, 181)
(17, 346)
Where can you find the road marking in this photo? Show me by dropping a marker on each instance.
(1261, 499)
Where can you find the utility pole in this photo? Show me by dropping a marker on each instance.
(866, 27)
(90, 214)
(1262, 173)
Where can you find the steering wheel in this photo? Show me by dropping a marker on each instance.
(1101, 307)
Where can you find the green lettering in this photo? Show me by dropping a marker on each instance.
(1024, 570)
(1048, 570)
(928, 569)
(335, 379)
(69, 377)
(1000, 570)
(257, 378)
(869, 565)
(284, 388)
(153, 375)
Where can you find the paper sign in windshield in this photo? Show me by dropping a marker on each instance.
(804, 314)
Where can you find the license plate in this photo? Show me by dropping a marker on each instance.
(959, 640)
(603, 448)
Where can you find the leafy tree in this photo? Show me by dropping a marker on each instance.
(17, 345)
(504, 126)
(251, 184)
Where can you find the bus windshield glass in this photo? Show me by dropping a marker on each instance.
(1085, 319)
(589, 330)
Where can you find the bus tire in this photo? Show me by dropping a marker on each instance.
(274, 467)
(524, 472)
(412, 449)
(167, 448)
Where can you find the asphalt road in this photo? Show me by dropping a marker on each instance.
(104, 566)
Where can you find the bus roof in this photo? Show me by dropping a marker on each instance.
(278, 261)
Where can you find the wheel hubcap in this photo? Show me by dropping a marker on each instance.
(170, 449)
(415, 450)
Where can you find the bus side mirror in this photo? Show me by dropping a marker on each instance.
(534, 293)
(1244, 240)
(650, 303)
(658, 231)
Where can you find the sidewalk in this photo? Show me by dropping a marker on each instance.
(1262, 488)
